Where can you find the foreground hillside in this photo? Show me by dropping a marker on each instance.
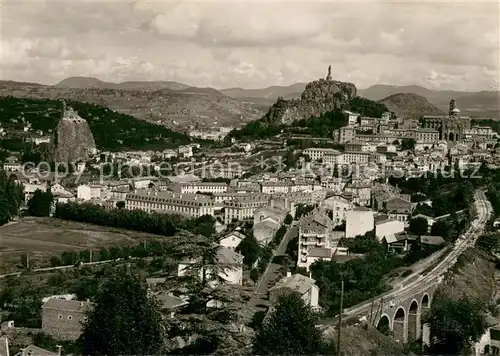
(111, 130)
(410, 105)
(176, 109)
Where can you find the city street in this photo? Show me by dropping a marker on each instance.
(272, 271)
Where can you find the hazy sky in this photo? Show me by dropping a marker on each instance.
(447, 45)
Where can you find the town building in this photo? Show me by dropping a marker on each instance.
(195, 205)
(243, 207)
(305, 286)
(359, 221)
(12, 164)
(318, 153)
(314, 239)
(200, 187)
(339, 206)
(452, 127)
(87, 192)
(62, 319)
(232, 240)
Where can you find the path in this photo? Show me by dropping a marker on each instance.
(272, 269)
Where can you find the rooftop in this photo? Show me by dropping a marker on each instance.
(169, 195)
(296, 282)
(67, 305)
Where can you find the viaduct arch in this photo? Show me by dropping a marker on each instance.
(402, 319)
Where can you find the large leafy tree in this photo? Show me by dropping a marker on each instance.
(40, 203)
(419, 226)
(250, 249)
(291, 330)
(455, 324)
(125, 321)
(11, 197)
(217, 310)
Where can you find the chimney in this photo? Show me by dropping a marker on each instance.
(288, 274)
(81, 304)
(59, 347)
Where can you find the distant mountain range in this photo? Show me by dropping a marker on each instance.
(178, 105)
(483, 103)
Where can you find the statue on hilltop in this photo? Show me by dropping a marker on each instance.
(329, 76)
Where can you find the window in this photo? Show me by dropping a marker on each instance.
(70, 317)
(85, 319)
(59, 316)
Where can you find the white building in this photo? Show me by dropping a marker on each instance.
(315, 234)
(185, 151)
(305, 286)
(200, 187)
(232, 240)
(282, 187)
(489, 344)
(243, 206)
(87, 192)
(339, 206)
(386, 227)
(195, 205)
(318, 153)
(359, 221)
(12, 164)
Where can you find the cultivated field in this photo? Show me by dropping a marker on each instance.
(42, 238)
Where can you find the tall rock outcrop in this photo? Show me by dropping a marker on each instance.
(319, 96)
(72, 140)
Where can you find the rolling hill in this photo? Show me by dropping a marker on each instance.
(410, 105)
(111, 130)
(156, 102)
(484, 103)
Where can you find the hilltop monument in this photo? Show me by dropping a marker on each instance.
(72, 140)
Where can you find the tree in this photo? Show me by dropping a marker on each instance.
(408, 144)
(288, 219)
(250, 249)
(124, 321)
(216, 309)
(40, 203)
(120, 204)
(291, 330)
(419, 226)
(455, 324)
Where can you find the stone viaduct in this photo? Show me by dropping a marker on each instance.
(401, 316)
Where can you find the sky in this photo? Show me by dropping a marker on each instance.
(253, 44)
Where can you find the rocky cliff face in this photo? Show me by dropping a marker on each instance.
(72, 140)
(319, 96)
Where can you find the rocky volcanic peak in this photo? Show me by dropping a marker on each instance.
(72, 141)
(319, 96)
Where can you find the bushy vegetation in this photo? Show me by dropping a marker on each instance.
(40, 203)
(11, 197)
(321, 126)
(367, 107)
(154, 223)
(111, 130)
(291, 330)
(455, 324)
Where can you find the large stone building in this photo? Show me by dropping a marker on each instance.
(62, 319)
(452, 127)
(195, 205)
